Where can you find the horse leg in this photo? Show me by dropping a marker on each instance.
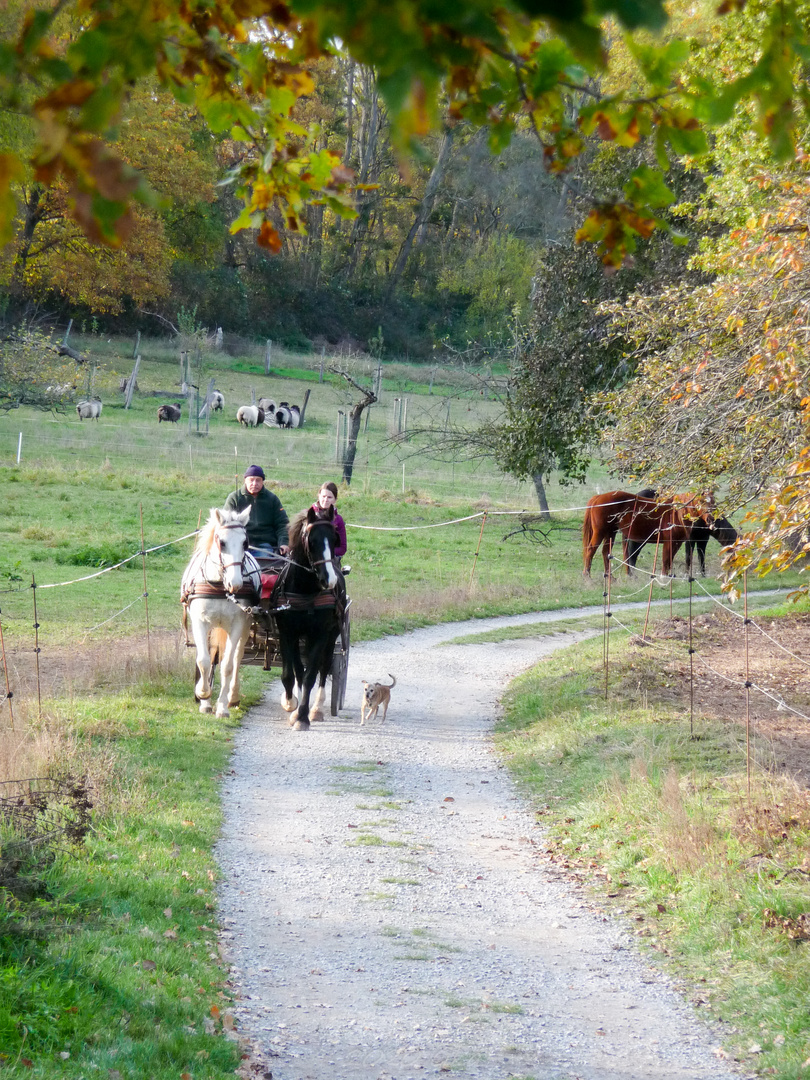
(305, 677)
(701, 552)
(234, 688)
(202, 687)
(631, 556)
(324, 670)
(288, 645)
(304, 714)
(231, 653)
(671, 549)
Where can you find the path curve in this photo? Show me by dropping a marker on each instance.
(387, 910)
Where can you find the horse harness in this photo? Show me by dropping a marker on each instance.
(196, 585)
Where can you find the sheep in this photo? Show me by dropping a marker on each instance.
(89, 410)
(250, 415)
(217, 401)
(169, 413)
(269, 407)
(288, 416)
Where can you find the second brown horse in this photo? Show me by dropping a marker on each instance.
(640, 518)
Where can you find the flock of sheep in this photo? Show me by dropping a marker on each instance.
(265, 412)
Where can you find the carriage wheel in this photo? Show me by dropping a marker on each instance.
(340, 668)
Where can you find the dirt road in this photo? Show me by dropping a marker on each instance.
(387, 909)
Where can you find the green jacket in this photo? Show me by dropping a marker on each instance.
(268, 519)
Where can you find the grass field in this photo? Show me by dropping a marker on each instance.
(74, 504)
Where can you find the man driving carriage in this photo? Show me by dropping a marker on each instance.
(268, 524)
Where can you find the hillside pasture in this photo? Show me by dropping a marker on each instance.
(75, 503)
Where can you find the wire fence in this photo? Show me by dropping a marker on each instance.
(745, 683)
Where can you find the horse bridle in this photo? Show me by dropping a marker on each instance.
(305, 537)
(234, 562)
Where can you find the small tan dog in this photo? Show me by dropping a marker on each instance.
(376, 694)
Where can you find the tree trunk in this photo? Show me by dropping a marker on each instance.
(367, 144)
(539, 487)
(416, 234)
(34, 213)
(355, 417)
(349, 150)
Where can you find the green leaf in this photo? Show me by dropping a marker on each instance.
(646, 187)
(635, 14)
(91, 50)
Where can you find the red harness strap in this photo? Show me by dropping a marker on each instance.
(299, 601)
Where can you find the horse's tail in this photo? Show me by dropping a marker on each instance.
(217, 640)
(587, 531)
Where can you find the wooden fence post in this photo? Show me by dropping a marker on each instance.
(304, 409)
(337, 435)
(131, 383)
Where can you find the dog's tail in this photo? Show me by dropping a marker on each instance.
(394, 682)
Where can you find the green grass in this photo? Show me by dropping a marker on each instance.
(115, 964)
(661, 825)
(83, 490)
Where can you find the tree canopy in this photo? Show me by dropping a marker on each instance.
(70, 65)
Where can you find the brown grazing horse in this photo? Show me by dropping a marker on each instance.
(678, 518)
(640, 519)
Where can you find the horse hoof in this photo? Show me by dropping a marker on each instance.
(301, 725)
(288, 704)
(234, 704)
(222, 713)
(316, 714)
(205, 707)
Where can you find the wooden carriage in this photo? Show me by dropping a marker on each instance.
(262, 650)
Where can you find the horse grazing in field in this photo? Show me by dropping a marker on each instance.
(311, 591)
(639, 518)
(687, 519)
(220, 585)
(604, 515)
(703, 526)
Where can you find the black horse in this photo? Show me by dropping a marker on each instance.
(310, 592)
(720, 528)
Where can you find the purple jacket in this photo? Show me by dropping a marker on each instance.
(340, 526)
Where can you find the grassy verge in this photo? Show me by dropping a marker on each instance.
(660, 823)
(109, 959)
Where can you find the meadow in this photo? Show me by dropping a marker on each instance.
(83, 490)
(108, 956)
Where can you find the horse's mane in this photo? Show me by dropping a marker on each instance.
(296, 530)
(205, 537)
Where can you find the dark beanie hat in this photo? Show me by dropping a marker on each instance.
(254, 470)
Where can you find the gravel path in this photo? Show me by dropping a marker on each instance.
(387, 910)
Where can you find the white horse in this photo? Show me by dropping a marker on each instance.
(220, 585)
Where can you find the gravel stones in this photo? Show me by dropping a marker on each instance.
(386, 908)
